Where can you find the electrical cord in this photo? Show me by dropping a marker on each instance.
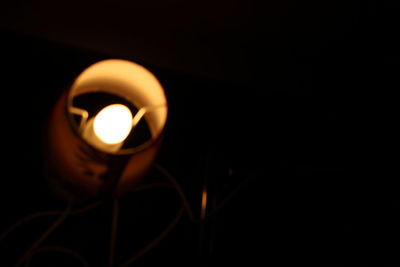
(179, 189)
(51, 229)
(45, 214)
(33, 250)
(114, 227)
(156, 240)
(68, 251)
(152, 243)
(189, 210)
(226, 200)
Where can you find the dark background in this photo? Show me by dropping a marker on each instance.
(272, 91)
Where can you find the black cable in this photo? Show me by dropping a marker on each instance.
(156, 240)
(37, 243)
(68, 251)
(114, 227)
(189, 211)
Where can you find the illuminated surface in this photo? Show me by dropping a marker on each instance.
(113, 124)
(129, 81)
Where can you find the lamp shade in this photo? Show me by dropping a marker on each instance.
(105, 130)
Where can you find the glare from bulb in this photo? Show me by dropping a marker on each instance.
(113, 124)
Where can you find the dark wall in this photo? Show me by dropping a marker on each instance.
(227, 40)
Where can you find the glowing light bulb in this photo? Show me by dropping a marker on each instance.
(113, 124)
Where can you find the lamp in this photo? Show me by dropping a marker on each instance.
(105, 130)
(103, 135)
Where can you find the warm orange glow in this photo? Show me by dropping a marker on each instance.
(204, 203)
(79, 142)
(130, 81)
